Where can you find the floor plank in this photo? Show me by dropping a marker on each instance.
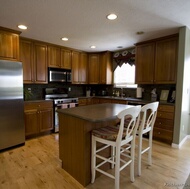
(36, 165)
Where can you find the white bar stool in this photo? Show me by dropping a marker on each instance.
(146, 125)
(122, 143)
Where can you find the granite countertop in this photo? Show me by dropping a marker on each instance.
(96, 112)
(130, 99)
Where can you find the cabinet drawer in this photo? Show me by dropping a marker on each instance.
(82, 102)
(166, 124)
(166, 108)
(36, 105)
(163, 135)
(166, 115)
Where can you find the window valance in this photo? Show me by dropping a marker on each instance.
(126, 56)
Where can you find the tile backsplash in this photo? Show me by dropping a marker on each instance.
(37, 91)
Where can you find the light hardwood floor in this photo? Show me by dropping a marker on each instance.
(36, 165)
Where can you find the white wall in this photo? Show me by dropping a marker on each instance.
(182, 118)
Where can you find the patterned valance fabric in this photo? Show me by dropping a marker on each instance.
(126, 56)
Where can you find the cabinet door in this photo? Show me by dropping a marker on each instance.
(26, 57)
(166, 61)
(9, 45)
(65, 59)
(145, 63)
(31, 122)
(105, 68)
(46, 119)
(75, 67)
(83, 65)
(40, 63)
(93, 69)
(54, 56)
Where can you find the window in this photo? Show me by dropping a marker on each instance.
(124, 76)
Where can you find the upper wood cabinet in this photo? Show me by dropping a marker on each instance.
(34, 58)
(83, 68)
(94, 68)
(9, 44)
(59, 57)
(145, 63)
(106, 70)
(79, 67)
(54, 56)
(166, 60)
(65, 58)
(156, 61)
(26, 57)
(100, 68)
(40, 63)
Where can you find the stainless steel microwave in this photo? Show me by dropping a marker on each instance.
(59, 75)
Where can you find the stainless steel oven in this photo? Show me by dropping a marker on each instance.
(62, 104)
(61, 100)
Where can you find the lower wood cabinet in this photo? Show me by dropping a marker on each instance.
(163, 128)
(38, 117)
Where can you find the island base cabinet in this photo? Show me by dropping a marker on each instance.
(75, 146)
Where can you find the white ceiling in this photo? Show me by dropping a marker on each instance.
(84, 21)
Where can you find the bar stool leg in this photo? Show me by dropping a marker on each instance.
(93, 160)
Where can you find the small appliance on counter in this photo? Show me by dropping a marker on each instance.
(88, 93)
(139, 92)
(153, 95)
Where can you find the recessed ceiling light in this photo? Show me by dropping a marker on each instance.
(140, 33)
(111, 16)
(23, 27)
(92, 47)
(64, 39)
(120, 47)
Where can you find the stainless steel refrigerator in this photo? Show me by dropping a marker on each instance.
(12, 131)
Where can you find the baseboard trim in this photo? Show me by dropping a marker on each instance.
(181, 143)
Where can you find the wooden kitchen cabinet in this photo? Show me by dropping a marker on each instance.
(79, 67)
(26, 57)
(54, 56)
(83, 101)
(163, 128)
(145, 63)
(9, 44)
(66, 59)
(40, 63)
(94, 69)
(105, 66)
(166, 60)
(75, 67)
(156, 61)
(38, 117)
(83, 68)
(34, 58)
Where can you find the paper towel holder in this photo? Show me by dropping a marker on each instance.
(139, 92)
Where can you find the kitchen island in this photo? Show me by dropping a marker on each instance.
(75, 126)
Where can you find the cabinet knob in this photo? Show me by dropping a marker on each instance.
(160, 123)
(159, 133)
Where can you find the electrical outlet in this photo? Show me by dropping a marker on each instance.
(183, 127)
(69, 89)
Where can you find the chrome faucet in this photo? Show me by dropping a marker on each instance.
(122, 94)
